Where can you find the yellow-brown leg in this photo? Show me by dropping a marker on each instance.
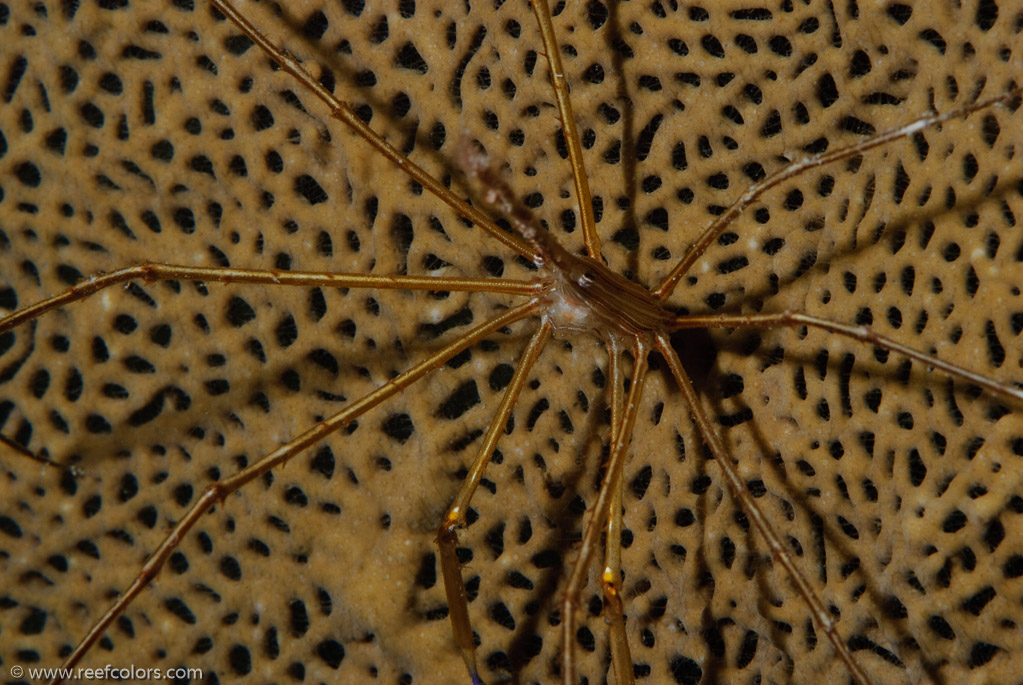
(821, 618)
(447, 534)
(611, 578)
(599, 513)
(862, 333)
(794, 169)
(151, 272)
(575, 152)
(219, 490)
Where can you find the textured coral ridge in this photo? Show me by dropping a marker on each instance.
(152, 131)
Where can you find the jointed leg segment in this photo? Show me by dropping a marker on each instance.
(41, 458)
(797, 168)
(611, 577)
(606, 514)
(862, 333)
(219, 490)
(779, 552)
(341, 111)
(600, 511)
(447, 535)
(150, 272)
(575, 152)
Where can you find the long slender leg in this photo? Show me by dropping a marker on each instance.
(790, 171)
(447, 534)
(343, 112)
(42, 458)
(861, 333)
(150, 272)
(575, 152)
(742, 494)
(611, 578)
(599, 515)
(219, 490)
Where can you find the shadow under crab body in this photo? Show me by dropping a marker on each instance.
(887, 480)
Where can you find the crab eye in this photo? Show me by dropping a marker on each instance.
(586, 280)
